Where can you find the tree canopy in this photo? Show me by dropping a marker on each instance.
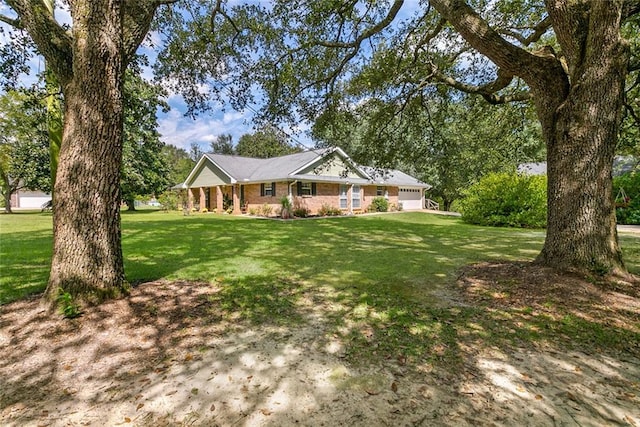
(24, 144)
(144, 167)
(572, 60)
(449, 142)
(264, 143)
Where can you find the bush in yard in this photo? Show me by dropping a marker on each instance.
(328, 210)
(170, 200)
(286, 210)
(300, 208)
(507, 199)
(627, 210)
(379, 204)
(266, 209)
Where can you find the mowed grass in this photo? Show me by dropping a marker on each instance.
(381, 276)
(406, 253)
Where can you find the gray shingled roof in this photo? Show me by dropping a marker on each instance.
(275, 168)
(621, 165)
(249, 169)
(393, 177)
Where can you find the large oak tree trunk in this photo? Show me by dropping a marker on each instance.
(87, 257)
(581, 223)
(581, 137)
(578, 96)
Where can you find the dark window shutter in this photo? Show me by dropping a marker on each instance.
(261, 190)
(313, 189)
(273, 189)
(299, 188)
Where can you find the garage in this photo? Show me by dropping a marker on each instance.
(26, 199)
(410, 198)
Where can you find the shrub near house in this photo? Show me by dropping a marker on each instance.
(507, 199)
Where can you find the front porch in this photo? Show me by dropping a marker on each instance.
(219, 199)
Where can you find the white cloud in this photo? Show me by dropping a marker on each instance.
(181, 131)
(233, 116)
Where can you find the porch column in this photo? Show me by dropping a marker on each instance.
(218, 199)
(189, 199)
(350, 199)
(203, 199)
(236, 199)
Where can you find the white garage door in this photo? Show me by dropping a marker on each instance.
(33, 202)
(410, 198)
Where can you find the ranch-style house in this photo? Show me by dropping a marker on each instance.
(317, 177)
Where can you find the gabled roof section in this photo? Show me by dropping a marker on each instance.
(255, 170)
(198, 168)
(323, 155)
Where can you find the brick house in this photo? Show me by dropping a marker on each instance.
(316, 177)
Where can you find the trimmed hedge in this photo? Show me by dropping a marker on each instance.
(507, 200)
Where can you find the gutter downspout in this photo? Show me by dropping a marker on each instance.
(290, 192)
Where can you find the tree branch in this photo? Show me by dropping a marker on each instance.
(53, 42)
(539, 70)
(488, 91)
(219, 10)
(384, 23)
(538, 31)
(15, 23)
(631, 7)
(137, 20)
(632, 113)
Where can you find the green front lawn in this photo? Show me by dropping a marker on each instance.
(408, 253)
(386, 276)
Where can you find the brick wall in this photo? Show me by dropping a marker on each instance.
(325, 194)
(370, 192)
(254, 200)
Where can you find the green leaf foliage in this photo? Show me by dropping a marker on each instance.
(24, 143)
(507, 200)
(448, 141)
(379, 204)
(264, 143)
(145, 170)
(626, 187)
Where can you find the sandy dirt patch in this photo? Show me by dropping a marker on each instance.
(165, 356)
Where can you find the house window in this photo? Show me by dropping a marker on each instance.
(306, 189)
(268, 189)
(380, 191)
(343, 197)
(355, 197)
